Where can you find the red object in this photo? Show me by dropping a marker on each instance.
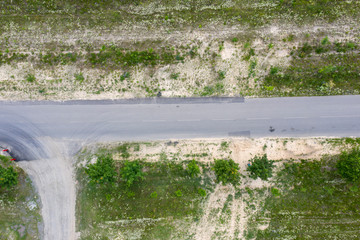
(5, 150)
(13, 159)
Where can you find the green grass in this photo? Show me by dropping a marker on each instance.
(17, 219)
(167, 192)
(311, 201)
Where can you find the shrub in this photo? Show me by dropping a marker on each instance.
(234, 40)
(349, 165)
(227, 171)
(103, 171)
(260, 167)
(193, 169)
(8, 177)
(131, 172)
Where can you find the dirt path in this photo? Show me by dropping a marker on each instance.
(54, 182)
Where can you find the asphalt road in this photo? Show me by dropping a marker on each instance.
(290, 117)
(49, 134)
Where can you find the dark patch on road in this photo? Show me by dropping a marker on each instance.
(239, 134)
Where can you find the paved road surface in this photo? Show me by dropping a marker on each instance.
(50, 134)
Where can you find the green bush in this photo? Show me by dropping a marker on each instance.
(103, 171)
(227, 171)
(260, 167)
(131, 172)
(193, 169)
(349, 165)
(8, 177)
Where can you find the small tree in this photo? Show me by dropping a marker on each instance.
(193, 169)
(260, 167)
(349, 165)
(8, 177)
(227, 171)
(103, 171)
(131, 172)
